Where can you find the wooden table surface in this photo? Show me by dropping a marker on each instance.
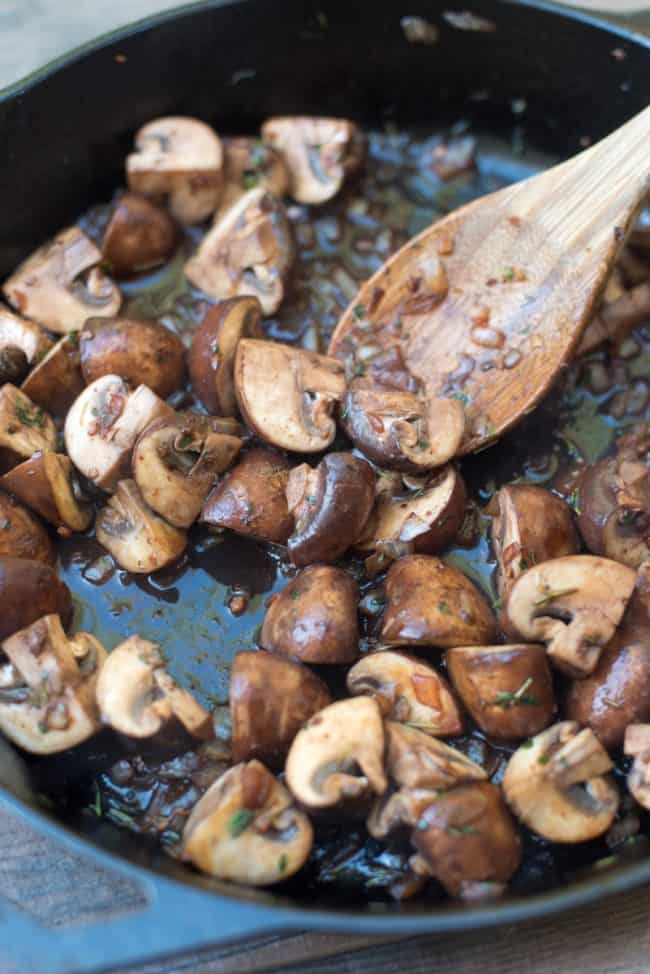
(609, 938)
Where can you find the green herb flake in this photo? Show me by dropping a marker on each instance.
(527, 744)
(461, 830)
(97, 806)
(293, 595)
(29, 415)
(573, 500)
(506, 699)
(497, 604)
(461, 397)
(239, 821)
(359, 369)
(543, 758)
(378, 600)
(551, 596)
(508, 274)
(422, 444)
(5, 523)
(523, 564)
(443, 607)
(359, 311)
(250, 179)
(283, 862)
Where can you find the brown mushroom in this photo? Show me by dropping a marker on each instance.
(56, 379)
(138, 237)
(60, 284)
(24, 428)
(23, 343)
(28, 590)
(47, 483)
(616, 318)
(637, 746)
(249, 163)
(141, 352)
(455, 157)
(21, 534)
(211, 358)
(181, 159)
(138, 539)
(314, 617)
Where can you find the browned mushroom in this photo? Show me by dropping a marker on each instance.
(249, 163)
(314, 617)
(139, 236)
(637, 746)
(29, 590)
(138, 539)
(24, 428)
(23, 343)
(616, 318)
(455, 157)
(21, 534)
(211, 358)
(141, 352)
(47, 483)
(56, 379)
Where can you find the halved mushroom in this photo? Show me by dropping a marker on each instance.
(571, 604)
(246, 829)
(56, 380)
(287, 395)
(338, 756)
(181, 159)
(211, 358)
(137, 696)
(103, 424)
(556, 784)
(49, 703)
(452, 158)
(616, 318)
(176, 462)
(429, 603)
(248, 163)
(330, 504)
(249, 251)
(47, 483)
(138, 539)
(531, 525)
(320, 153)
(139, 236)
(270, 699)
(508, 690)
(60, 284)
(251, 498)
(21, 534)
(637, 746)
(28, 590)
(23, 343)
(314, 617)
(141, 352)
(24, 428)
(407, 690)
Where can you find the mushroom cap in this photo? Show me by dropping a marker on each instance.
(556, 784)
(56, 380)
(139, 540)
(29, 337)
(573, 605)
(245, 829)
(139, 236)
(24, 428)
(47, 483)
(141, 352)
(429, 603)
(287, 395)
(338, 755)
(29, 590)
(21, 533)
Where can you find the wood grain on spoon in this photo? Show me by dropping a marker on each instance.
(525, 267)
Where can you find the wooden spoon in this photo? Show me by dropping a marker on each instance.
(525, 267)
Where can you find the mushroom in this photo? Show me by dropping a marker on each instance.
(251, 499)
(429, 603)
(330, 505)
(249, 251)
(507, 690)
(338, 756)
(453, 158)
(286, 395)
(211, 358)
(21, 534)
(141, 352)
(270, 699)
(138, 539)
(314, 617)
(249, 163)
(24, 427)
(137, 696)
(556, 784)
(56, 380)
(176, 462)
(637, 746)
(28, 590)
(571, 604)
(319, 152)
(181, 159)
(616, 318)
(60, 284)
(402, 431)
(531, 525)
(247, 830)
(49, 704)
(103, 424)
(139, 236)
(47, 483)
(23, 343)
(407, 690)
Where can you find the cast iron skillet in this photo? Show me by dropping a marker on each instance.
(65, 133)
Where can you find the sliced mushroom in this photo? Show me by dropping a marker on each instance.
(181, 159)
(407, 690)
(637, 746)
(616, 318)
(212, 353)
(571, 604)
(249, 251)
(139, 236)
(103, 424)
(249, 163)
(47, 483)
(138, 539)
(247, 830)
(314, 617)
(556, 784)
(60, 284)
(21, 534)
(28, 590)
(455, 157)
(23, 343)
(137, 696)
(338, 756)
(24, 427)
(287, 395)
(251, 498)
(270, 699)
(141, 352)
(56, 380)
(531, 525)
(320, 153)
(429, 603)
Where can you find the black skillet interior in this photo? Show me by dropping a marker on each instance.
(67, 131)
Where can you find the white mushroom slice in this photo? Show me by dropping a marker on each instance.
(103, 424)
(48, 484)
(556, 784)
(23, 343)
(249, 163)
(246, 829)
(287, 395)
(338, 755)
(53, 288)
(139, 540)
(137, 697)
(248, 252)
(24, 427)
(571, 604)
(182, 159)
(637, 746)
